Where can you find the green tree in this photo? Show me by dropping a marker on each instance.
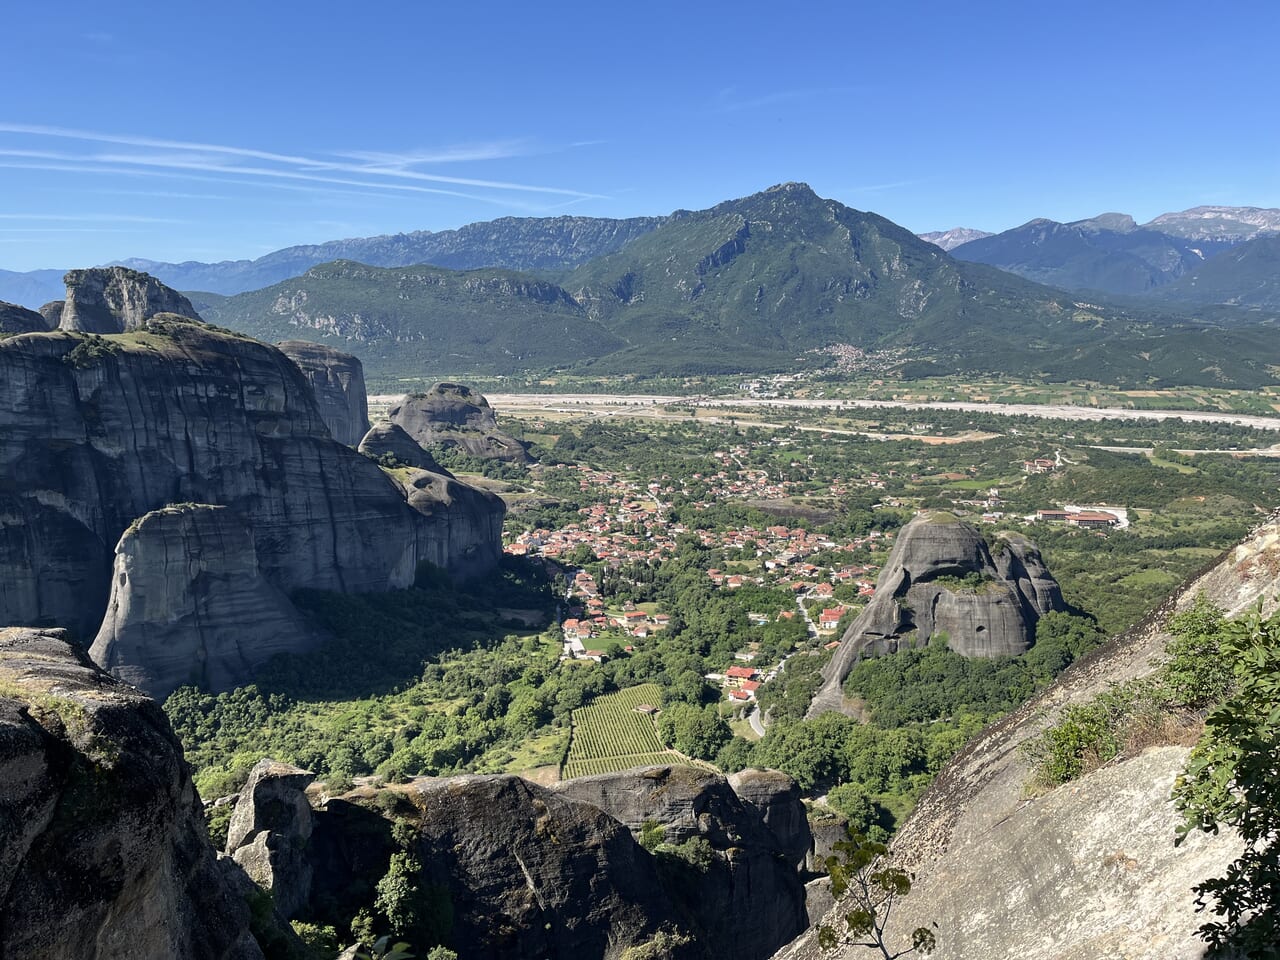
(1233, 779)
(863, 878)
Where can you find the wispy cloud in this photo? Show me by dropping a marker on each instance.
(881, 187)
(734, 99)
(86, 218)
(378, 170)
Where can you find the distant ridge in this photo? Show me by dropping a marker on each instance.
(950, 239)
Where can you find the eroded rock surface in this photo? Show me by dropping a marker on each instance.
(775, 797)
(751, 892)
(16, 319)
(337, 380)
(453, 415)
(942, 578)
(189, 604)
(104, 852)
(270, 831)
(387, 439)
(116, 300)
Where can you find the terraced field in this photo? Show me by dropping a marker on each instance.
(611, 734)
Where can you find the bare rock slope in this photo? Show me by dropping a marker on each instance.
(1087, 870)
(337, 379)
(117, 300)
(942, 578)
(454, 415)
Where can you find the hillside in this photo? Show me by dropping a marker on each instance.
(950, 239)
(420, 320)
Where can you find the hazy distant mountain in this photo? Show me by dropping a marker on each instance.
(748, 285)
(1247, 275)
(33, 288)
(1108, 253)
(950, 239)
(1224, 224)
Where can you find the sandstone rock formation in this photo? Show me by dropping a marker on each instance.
(1089, 869)
(270, 831)
(116, 300)
(775, 798)
(752, 894)
(103, 851)
(466, 523)
(97, 431)
(942, 578)
(338, 382)
(16, 319)
(52, 313)
(453, 415)
(189, 604)
(387, 439)
(533, 873)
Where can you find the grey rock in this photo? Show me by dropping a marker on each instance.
(775, 797)
(532, 873)
(751, 895)
(52, 313)
(116, 300)
(338, 381)
(189, 604)
(912, 603)
(454, 415)
(270, 830)
(387, 439)
(104, 847)
(465, 523)
(16, 319)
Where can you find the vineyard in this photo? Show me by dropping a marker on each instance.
(611, 734)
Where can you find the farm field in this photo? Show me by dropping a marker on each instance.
(611, 734)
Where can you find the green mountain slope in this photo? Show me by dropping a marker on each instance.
(1246, 276)
(420, 321)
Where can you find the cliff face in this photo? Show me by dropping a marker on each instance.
(453, 415)
(96, 432)
(751, 893)
(337, 379)
(116, 300)
(102, 835)
(942, 578)
(189, 604)
(1086, 870)
(386, 439)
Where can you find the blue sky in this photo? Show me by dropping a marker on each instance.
(229, 129)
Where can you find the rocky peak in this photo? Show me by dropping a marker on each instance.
(16, 319)
(270, 830)
(337, 379)
(387, 439)
(116, 300)
(950, 239)
(454, 415)
(942, 578)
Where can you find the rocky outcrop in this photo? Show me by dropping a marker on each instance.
(466, 523)
(270, 831)
(775, 798)
(942, 578)
(1088, 869)
(98, 431)
(16, 319)
(103, 851)
(189, 604)
(528, 872)
(455, 416)
(388, 440)
(751, 893)
(52, 313)
(116, 300)
(337, 380)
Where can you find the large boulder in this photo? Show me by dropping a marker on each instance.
(750, 893)
(116, 300)
(941, 578)
(467, 521)
(775, 798)
(270, 831)
(530, 873)
(16, 319)
(452, 415)
(388, 440)
(103, 851)
(338, 382)
(189, 604)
